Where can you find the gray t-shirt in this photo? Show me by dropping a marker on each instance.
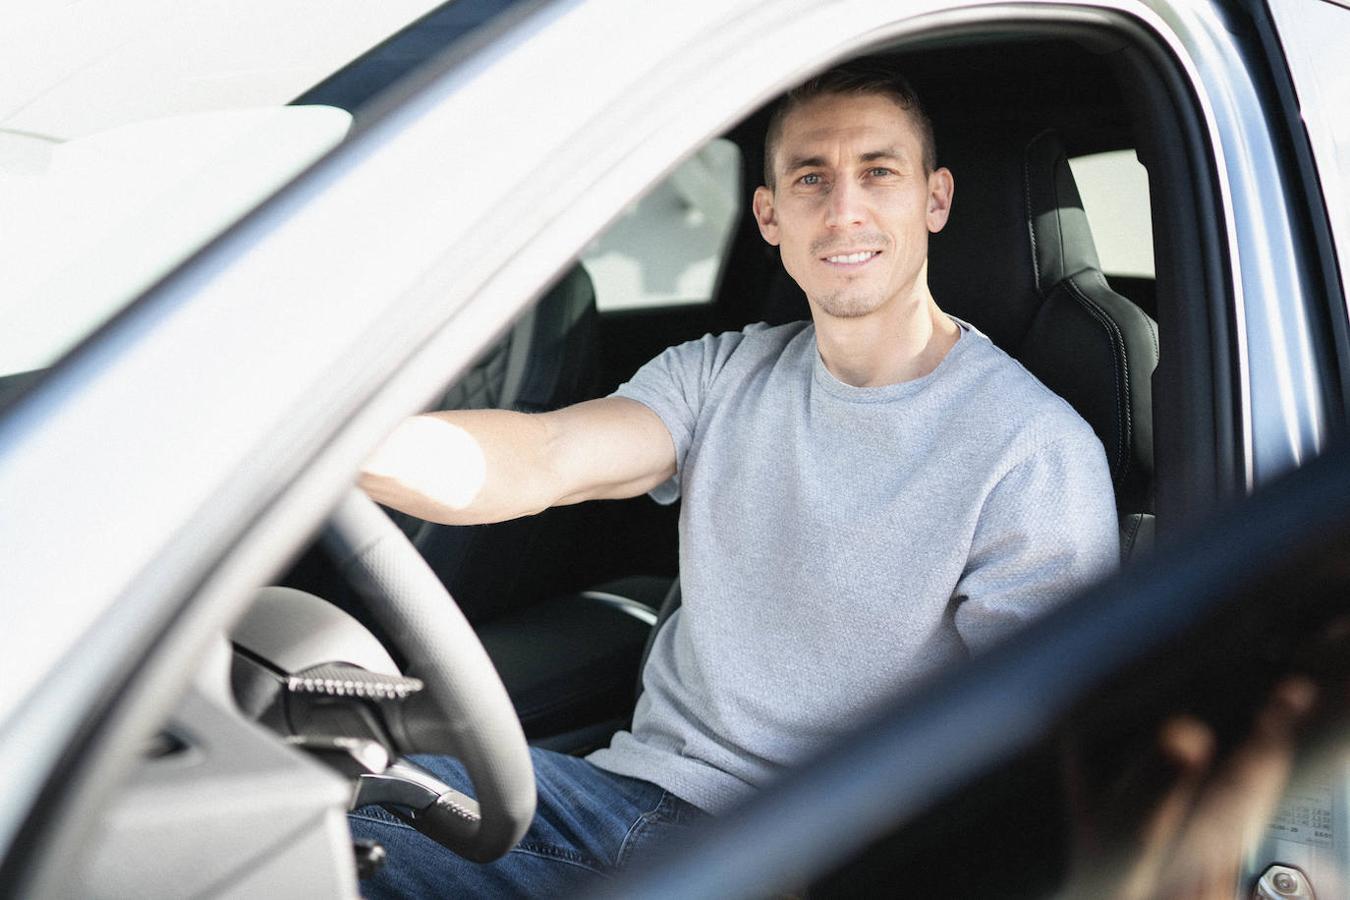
(838, 544)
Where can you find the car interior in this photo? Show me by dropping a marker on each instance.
(566, 603)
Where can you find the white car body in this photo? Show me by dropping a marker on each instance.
(139, 512)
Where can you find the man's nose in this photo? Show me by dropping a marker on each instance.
(846, 205)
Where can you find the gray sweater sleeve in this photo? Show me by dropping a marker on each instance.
(1047, 528)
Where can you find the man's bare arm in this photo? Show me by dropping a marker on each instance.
(467, 467)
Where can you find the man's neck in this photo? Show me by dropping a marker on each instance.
(899, 342)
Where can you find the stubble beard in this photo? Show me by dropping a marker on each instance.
(849, 303)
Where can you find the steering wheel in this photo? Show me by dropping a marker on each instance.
(473, 716)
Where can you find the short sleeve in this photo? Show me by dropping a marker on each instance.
(675, 386)
(1047, 528)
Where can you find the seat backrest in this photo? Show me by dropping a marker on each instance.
(1017, 260)
(549, 359)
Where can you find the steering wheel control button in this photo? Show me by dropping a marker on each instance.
(1283, 883)
(342, 680)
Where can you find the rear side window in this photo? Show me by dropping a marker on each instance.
(1114, 187)
(668, 248)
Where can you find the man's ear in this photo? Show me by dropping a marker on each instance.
(941, 188)
(764, 214)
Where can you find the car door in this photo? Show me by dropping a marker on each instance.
(170, 464)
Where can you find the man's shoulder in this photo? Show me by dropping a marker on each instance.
(1005, 390)
(715, 359)
(747, 347)
(763, 337)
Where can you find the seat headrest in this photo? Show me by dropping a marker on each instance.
(1014, 204)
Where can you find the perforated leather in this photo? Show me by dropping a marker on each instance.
(482, 387)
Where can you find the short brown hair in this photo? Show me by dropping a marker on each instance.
(857, 78)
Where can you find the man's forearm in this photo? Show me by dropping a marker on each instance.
(464, 467)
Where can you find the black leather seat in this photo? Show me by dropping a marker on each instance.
(564, 659)
(1017, 261)
(569, 663)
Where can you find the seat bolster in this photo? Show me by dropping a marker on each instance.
(671, 602)
(563, 362)
(570, 660)
(1098, 351)
(1139, 334)
(1089, 344)
(1137, 531)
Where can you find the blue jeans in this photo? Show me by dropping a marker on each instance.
(589, 824)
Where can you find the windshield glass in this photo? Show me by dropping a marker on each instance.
(134, 131)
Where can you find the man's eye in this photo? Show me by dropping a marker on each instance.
(879, 172)
(811, 179)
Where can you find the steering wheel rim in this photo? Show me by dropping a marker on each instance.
(478, 722)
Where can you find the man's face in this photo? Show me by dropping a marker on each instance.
(853, 207)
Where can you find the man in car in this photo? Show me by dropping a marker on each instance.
(867, 497)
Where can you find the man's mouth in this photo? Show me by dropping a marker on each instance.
(852, 259)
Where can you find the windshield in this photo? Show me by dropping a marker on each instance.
(133, 132)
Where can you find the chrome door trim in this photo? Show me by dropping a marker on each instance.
(1283, 409)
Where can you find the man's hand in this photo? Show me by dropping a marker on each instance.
(440, 458)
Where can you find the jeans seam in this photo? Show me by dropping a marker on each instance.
(544, 851)
(638, 826)
(558, 854)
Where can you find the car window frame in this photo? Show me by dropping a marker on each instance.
(1317, 172)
